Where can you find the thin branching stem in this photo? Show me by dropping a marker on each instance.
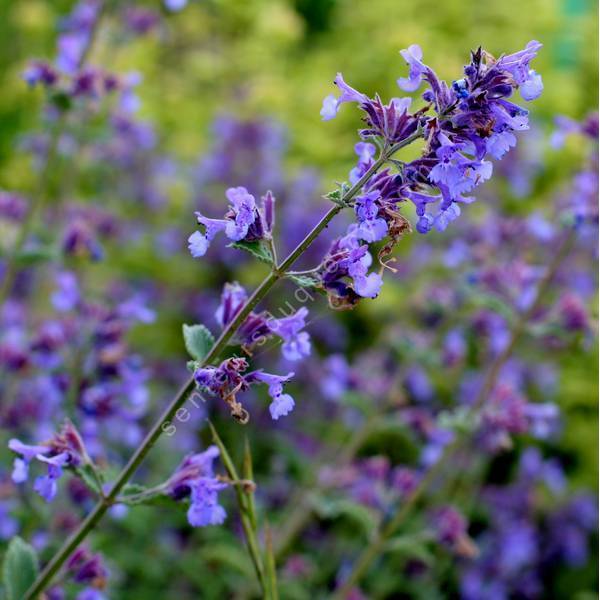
(278, 272)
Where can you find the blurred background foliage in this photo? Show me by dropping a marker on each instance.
(277, 59)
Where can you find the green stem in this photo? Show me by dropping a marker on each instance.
(246, 506)
(372, 551)
(45, 577)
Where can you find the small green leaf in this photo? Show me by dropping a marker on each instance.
(338, 508)
(198, 340)
(192, 365)
(304, 280)
(259, 249)
(131, 489)
(411, 546)
(90, 477)
(20, 568)
(337, 196)
(135, 494)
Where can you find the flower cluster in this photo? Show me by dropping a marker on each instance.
(194, 478)
(226, 380)
(344, 272)
(244, 221)
(64, 450)
(526, 538)
(258, 328)
(473, 120)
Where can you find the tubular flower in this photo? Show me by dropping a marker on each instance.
(243, 221)
(65, 449)
(226, 380)
(257, 328)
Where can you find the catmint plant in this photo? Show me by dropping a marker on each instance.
(453, 384)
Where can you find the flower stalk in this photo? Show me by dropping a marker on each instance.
(278, 272)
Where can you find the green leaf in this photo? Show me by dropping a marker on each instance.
(90, 477)
(20, 568)
(338, 508)
(198, 340)
(411, 546)
(336, 196)
(130, 489)
(304, 280)
(192, 365)
(259, 249)
(135, 494)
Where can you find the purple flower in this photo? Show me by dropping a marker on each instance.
(87, 568)
(365, 152)
(282, 404)
(46, 486)
(233, 298)
(451, 530)
(194, 479)
(198, 244)
(517, 65)
(243, 221)
(175, 5)
(204, 503)
(532, 87)
(65, 449)
(228, 379)
(412, 55)
(296, 343)
(192, 468)
(40, 72)
(77, 29)
(67, 296)
(347, 259)
(20, 472)
(259, 327)
(331, 104)
(371, 228)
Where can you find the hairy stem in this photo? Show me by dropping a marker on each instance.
(45, 577)
(375, 548)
